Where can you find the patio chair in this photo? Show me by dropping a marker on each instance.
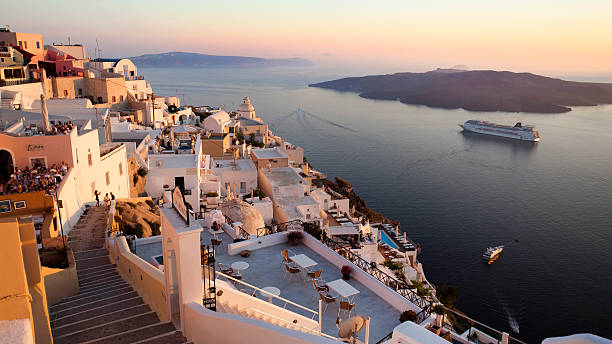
(319, 287)
(314, 274)
(286, 259)
(291, 270)
(346, 306)
(225, 269)
(327, 299)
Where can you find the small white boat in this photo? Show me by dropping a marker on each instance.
(492, 253)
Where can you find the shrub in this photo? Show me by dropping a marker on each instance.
(256, 193)
(295, 237)
(438, 309)
(212, 194)
(408, 315)
(314, 229)
(447, 294)
(142, 171)
(394, 266)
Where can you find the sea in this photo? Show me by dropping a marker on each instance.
(455, 193)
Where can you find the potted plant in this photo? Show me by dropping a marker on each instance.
(294, 237)
(346, 272)
(439, 310)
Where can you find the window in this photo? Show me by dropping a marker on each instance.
(37, 45)
(25, 44)
(100, 100)
(20, 43)
(89, 160)
(65, 93)
(134, 87)
(120, 98)
(120, 169)
(107, 178)
(64, 67)
(80, 91)
(2, 59)
(242, 187)
(114, 99)
(38, 162)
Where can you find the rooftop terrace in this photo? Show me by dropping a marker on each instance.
(265, 270)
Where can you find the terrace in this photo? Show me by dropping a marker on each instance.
(265, 269)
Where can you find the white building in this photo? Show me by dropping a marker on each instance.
(290, 195)
(247, 110)
(219, 122)
(240, 177)
(179, 166)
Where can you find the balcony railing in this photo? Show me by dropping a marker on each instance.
(133, 77)
(16, 82)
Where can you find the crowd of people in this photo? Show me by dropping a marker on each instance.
(62, 128)
(38, 178)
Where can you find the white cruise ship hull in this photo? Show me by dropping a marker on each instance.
(501, 132)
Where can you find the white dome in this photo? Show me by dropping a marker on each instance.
(241, 211)
(246, 109)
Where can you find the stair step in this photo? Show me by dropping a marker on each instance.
(109, 328)
(168, 338)
(96, 268)
(90, 298)
(67, 318)
(93, 291)
(97, 277)
(99, 270)
(96, 303)
(91, 253)
(136, 335)
(98, 283)
(100, 319)
(91, 262)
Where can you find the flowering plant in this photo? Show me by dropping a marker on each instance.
(345, 270)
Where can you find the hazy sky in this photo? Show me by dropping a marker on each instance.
(554, 37)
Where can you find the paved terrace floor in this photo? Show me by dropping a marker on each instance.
(265, 270)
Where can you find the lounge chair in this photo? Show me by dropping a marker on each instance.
(314, 274)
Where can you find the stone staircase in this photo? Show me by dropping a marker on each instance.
(106, 309)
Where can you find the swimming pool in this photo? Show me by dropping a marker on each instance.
(384, 237)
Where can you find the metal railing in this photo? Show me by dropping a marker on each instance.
(401, 287)
(314, 331)
(256, 289)
(281, 227)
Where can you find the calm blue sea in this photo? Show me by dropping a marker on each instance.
(550, 203)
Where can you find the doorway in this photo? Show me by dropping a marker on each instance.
(6, 166)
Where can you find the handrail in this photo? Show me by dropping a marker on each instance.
(267, 293)
(315, 331)
(481, 324)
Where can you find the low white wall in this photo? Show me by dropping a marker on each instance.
(204, 326)
(230, 230)
(390, 296)
(257, 243)
(243, 300)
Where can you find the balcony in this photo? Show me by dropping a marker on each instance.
(134, 77)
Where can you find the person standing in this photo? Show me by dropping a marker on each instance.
(112, 197)
(97, 193)
(107, 201)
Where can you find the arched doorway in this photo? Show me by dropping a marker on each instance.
(6, 166)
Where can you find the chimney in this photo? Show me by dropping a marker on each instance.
(45, 113)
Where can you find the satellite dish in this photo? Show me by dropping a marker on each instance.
(172, 108)
(350, 327)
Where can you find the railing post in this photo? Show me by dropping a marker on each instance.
(366, 340)
(320, 312)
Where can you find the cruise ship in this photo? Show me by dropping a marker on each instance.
(518, 131)
(492, 253)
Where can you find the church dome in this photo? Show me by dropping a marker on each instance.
(246, 108)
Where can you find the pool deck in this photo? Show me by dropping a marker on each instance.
(265, 270)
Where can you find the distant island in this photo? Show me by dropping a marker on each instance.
(183, 59)
(478, 90)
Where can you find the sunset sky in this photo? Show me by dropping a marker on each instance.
(554, 37)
